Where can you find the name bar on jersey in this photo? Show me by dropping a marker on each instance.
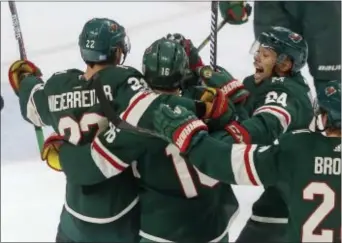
(77, 99)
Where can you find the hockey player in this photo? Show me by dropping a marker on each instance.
(304, 165)
(284, 96)
(172, 194)
(278, 102)
(322, 33)
(97, 208)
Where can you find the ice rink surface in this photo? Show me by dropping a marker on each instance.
(32, 195)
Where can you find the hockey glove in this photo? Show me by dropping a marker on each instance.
(235, 12)
(195, 59)
(215, 101)
(222, 79)
(238, 132)
(179, 126)
(50, 152)
(19, 70)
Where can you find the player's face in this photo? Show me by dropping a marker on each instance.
(264, 61)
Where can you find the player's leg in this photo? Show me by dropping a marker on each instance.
(322, 30)
(61, 237)
(125, 229)
(270, 13)
(268, 221)
(260, 232)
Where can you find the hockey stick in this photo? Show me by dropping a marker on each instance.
(19, 36)
(213, 34)
(206, 40)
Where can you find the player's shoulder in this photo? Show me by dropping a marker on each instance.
(297, 139)
(249, 83)
(290, 84)
(58, 79)
(65, 75)
(120, 71)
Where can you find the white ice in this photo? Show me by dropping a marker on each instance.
(32, 194)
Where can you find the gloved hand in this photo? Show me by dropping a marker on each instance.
(238, 132)
(191, 51)
(235, 12)
(50, 152)
(222, 79)
(179, 126)
(19, 70)
(215, 101)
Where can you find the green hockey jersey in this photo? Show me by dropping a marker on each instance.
(277, 105)
(68, 103)
(177, 202)
(304, 166)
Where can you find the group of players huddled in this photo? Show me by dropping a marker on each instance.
(124, 185)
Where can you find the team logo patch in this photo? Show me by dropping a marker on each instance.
(295, 37)
(330, 90)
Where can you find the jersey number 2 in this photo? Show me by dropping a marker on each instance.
(184, 174)
(84, 125)
(321, 212)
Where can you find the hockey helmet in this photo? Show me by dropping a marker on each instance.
(99, 39)
(164, 64)
(329, 101)
(285, 43)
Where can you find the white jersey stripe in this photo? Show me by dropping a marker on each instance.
(31, 109)
(283, 115)
(109, 164)
(254, 174)
(242, 163)
(238, 164)
(138, 105)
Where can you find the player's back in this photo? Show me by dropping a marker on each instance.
(177, 202)
(313, 188)
(92, 199)
(73, 104)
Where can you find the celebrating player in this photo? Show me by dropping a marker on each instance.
(278, 102)
(304, 165)
(97, 208)
(172, 194)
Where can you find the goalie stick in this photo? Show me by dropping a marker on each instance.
(19, 36)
